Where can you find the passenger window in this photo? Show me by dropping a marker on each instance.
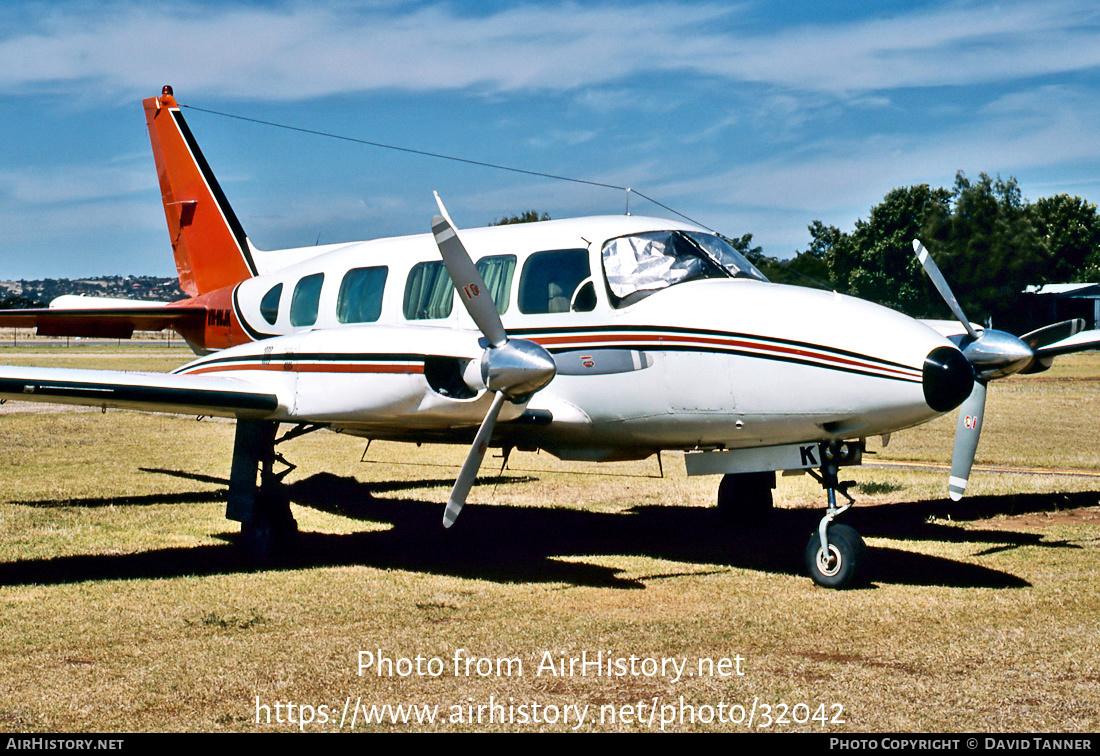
(550, 278)
(269, 305)
(497, 274)
(429, 293)
(360, 298)
(303, 305)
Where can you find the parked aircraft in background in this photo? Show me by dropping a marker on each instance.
(603, 338)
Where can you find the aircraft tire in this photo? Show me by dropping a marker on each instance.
(746, 498)
(847, 550)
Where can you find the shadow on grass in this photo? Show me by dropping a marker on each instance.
(540, 544)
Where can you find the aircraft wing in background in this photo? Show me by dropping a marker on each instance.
(105, 317)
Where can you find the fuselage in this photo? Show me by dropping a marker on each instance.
(366, 336)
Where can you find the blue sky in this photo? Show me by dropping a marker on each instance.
(749, 117)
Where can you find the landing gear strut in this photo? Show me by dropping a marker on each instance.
(267, 526)
(835, 553)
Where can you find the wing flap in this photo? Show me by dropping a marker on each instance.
(151, 392)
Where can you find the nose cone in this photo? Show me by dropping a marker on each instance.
(948, 378)
(996, 354)
(518, 368)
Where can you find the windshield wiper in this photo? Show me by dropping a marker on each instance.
(706, 255)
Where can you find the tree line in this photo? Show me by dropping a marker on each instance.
(989, 241)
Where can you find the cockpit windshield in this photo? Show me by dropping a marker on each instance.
(640, 264)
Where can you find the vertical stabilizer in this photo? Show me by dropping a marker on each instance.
(208, 241)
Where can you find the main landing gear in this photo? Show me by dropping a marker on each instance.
(835, 555)
(746, 498)
(267, 526)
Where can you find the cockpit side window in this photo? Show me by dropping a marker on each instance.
(641, 264)
(550, 279)
(303, 304)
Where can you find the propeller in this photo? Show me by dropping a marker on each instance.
(512, 369)
(994, 354)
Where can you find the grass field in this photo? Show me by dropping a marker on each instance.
(127, 608)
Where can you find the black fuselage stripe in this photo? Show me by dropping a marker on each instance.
(252, 332)
(296, 358)
(701, 332)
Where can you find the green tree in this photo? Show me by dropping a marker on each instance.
(987, 238)
(886, 269)
(769, 266)
(810, 267)
(987, 245)
(876, 260)
(19, 302)
(527, 216)
(1070, 230)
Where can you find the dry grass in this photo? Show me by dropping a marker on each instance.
(126, 607)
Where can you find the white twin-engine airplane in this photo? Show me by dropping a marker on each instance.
(603, 338)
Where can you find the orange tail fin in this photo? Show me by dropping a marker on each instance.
(208, 241)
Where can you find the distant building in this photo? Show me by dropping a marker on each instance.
(1051, 303)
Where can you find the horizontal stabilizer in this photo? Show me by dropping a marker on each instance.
(151, 392)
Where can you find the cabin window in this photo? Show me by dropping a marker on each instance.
(638, 265)
(303, 305)
(269, 305)
(429, 293)
(497, 273)
(360, 298)
(550, 280)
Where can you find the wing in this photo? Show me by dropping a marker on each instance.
(1080, 342)
(153, 392)
(104, 317)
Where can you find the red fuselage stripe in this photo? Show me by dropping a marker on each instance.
(646, 342)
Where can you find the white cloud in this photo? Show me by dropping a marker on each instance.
(297, 50)
(75, 183)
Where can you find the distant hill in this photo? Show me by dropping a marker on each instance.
(23, 294)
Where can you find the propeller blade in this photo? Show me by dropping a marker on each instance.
(512, 369)
(967, 432)
(471, 287)
(1041, 337)
(468, 474)
(1040, 342)
(940, 283)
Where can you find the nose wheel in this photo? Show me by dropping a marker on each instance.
(839, 564)
(836, 553)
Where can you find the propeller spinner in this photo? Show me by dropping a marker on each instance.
(993, 354)
(512, 369)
